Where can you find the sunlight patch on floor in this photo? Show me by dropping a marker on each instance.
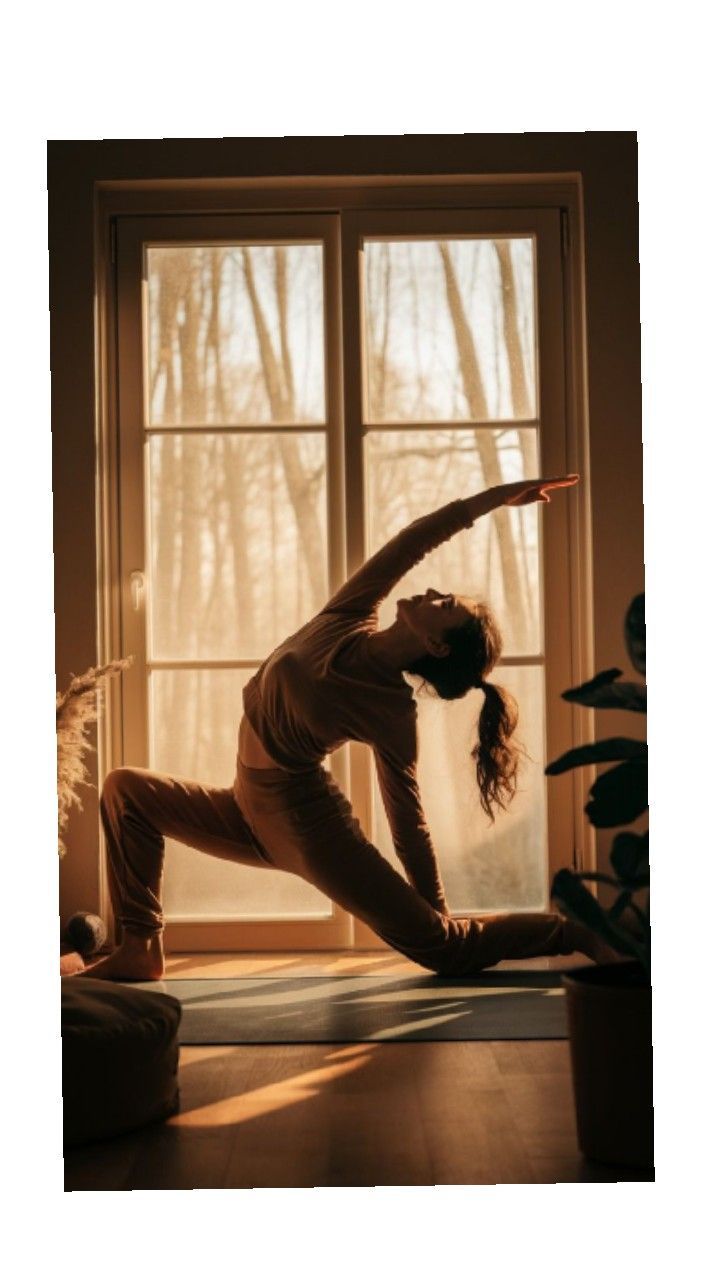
(409, 1028)
(451, 993)
(299, 964)
(272, 1097)
(203, 1052)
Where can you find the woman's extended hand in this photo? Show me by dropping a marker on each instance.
(516, 495)
(525, 491)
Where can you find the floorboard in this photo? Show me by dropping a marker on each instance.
(371, 1114)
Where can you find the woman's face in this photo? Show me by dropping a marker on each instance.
(435, 612)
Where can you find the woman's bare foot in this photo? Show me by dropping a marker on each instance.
(71, 962)
(138, 959)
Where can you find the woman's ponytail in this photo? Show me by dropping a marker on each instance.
(496, 755)
(475, 647)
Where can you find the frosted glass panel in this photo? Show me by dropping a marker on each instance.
(238, 541)
(410, 473)
(194, 718)
(484, 868)
(235, 334)
(449, 330)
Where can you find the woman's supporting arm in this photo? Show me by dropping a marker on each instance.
(413, 845)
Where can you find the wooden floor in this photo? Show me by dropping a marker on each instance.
(304, 1115)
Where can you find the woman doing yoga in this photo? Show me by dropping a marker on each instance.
(339, 678)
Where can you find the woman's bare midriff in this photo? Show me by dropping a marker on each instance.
(252, 752)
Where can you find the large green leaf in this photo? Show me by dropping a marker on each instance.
(630, 858)
(632, 919)
(620, 795)
(578, 902)
(622, 901)
(617, 695)
(597, 682)
(643, 917)
(635, 632)
(598, 753)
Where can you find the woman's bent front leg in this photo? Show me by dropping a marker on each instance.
(309, 825)
(139, 809)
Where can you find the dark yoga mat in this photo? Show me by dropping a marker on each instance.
(505, 1005)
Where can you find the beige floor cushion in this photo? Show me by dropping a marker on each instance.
(119, 1056)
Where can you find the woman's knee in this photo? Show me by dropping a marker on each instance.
(122, 784)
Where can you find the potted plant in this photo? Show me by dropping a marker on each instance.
(609, 1006)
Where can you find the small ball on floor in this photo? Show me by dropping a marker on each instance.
(86, 933)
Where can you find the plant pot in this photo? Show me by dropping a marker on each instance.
(610, 1029)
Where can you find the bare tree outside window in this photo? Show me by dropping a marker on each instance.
(237, 518)
(450, 339)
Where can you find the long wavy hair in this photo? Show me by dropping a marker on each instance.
(474, 650)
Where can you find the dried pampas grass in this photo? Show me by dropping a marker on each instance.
(75, 710)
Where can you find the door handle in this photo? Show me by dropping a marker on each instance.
(137, 587)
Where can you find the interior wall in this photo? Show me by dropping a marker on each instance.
(607, 165)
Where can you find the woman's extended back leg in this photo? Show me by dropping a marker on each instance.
(139, 809)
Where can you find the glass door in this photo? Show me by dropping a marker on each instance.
(455, 382)
(292, 390)
(229, 431)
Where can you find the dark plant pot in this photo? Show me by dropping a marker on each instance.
(610, 1029)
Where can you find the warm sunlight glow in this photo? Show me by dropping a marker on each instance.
(237, 519)
(273, 1097)
(409, 1028)
(203, 1052)
(239, 510)
(469, 993)
(433, 308)
(348, 1051)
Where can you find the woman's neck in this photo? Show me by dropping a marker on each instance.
(395, 647)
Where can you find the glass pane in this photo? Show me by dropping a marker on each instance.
(449, 330)
(483, 867)
(238, 542)
(235, 334)
(410, 473)
(194, 718)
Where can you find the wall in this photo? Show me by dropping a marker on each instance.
(607, 165)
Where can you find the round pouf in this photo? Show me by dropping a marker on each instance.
(119, 1058)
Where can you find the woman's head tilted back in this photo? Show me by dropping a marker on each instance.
(463, 644)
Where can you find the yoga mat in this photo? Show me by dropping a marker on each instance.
(507, 1005)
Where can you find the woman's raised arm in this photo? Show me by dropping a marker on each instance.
(375, 579)
(518, 494)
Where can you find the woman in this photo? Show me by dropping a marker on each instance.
(339, 678)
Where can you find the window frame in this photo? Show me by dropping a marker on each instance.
(362, 208)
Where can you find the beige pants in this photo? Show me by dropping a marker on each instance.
(301, 823)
